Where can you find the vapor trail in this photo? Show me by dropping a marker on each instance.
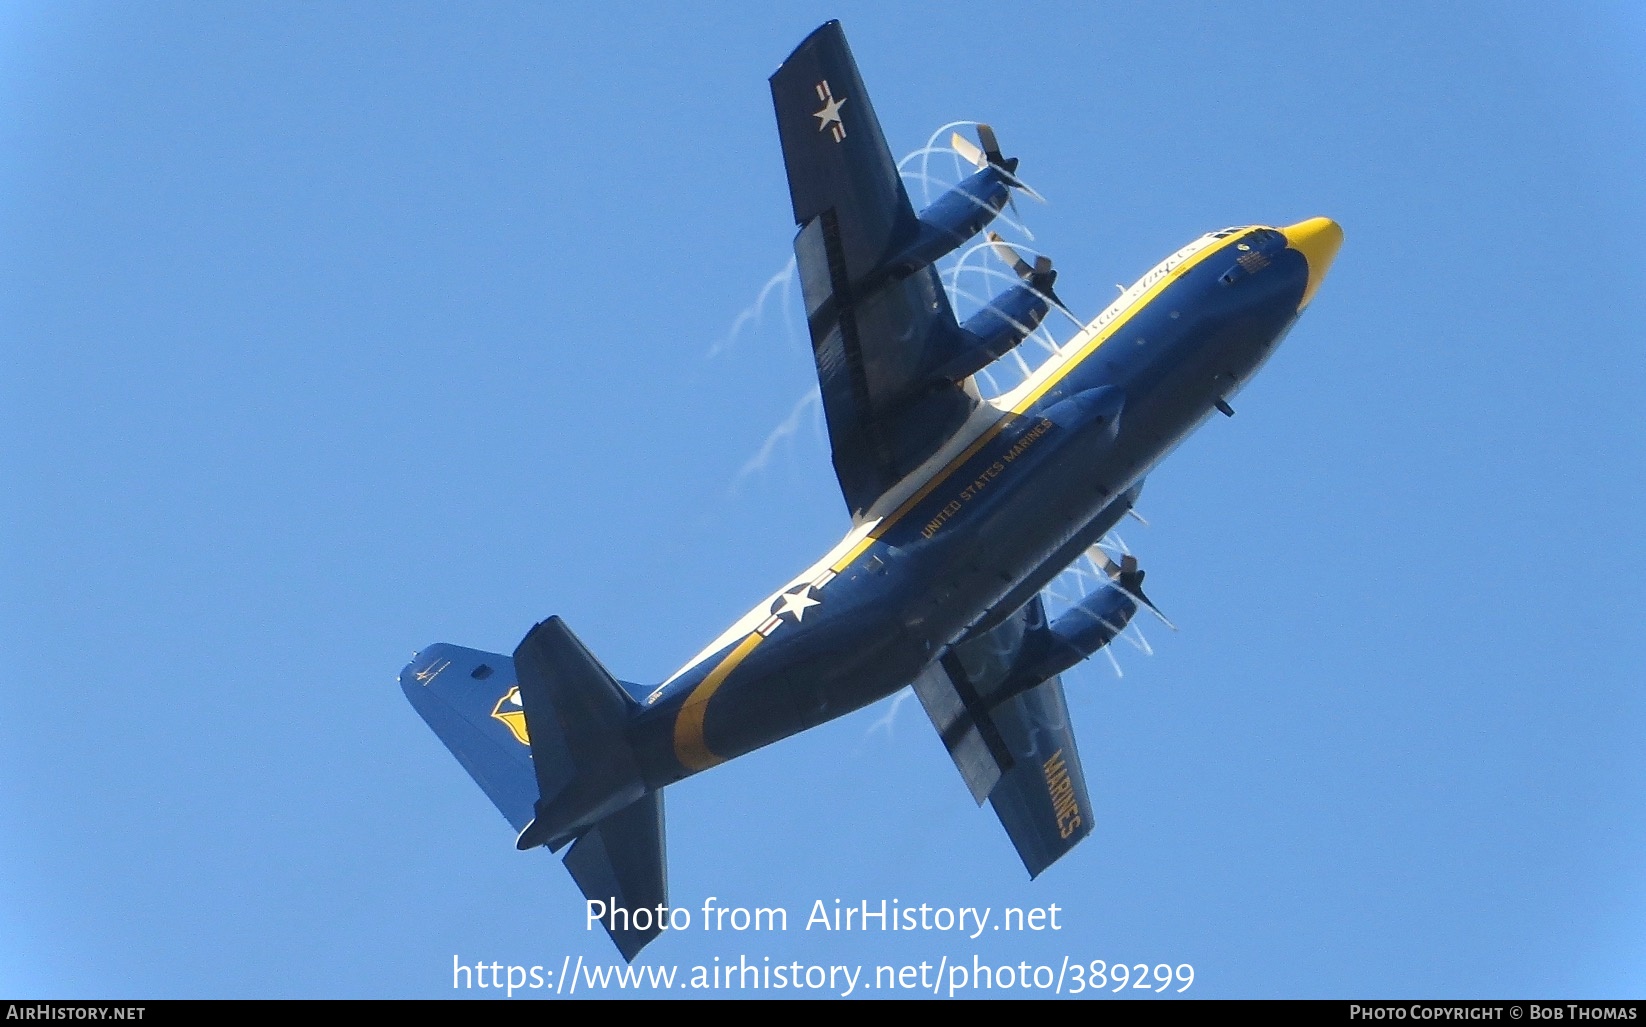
(786, 429)
(756, 310)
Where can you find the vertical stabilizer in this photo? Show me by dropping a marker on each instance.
(469, 699)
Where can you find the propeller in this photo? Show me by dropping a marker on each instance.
(1039, 275)
(988, 155)
(1127, 577)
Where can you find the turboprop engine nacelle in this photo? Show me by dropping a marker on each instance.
(958, 214)
(993, 331)
(1009, 318)
(1080, 632)
(1093, 622)
(1050, 649)
(965, 210)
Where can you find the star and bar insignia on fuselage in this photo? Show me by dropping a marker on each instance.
(793, 603)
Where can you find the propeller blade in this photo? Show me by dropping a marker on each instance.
(1040, 277)
(991, 145)
(989, 154)
(1152, 608)
(1063, 308)
(1101, 560)
(1009, 256)
(1027, 189)
(968, 150)
(1128, 578)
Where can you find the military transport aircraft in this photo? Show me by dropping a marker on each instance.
(962, 511)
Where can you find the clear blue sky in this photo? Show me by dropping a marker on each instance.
(330, 331)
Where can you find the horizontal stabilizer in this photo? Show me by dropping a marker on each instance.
(620, 862)
(578, 716)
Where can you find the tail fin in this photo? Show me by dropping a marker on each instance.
(544, 734)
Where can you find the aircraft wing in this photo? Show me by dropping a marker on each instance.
(1041, 801)
(878, 328)
(1013, 745)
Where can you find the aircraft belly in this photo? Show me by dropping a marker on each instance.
(809, 674)
(974, 543)
(1055, 493)
(961, 577)
(845, 650)
(1065, 554)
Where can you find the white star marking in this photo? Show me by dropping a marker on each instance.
(796, 603)
(830, 114)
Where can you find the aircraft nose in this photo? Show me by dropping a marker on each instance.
(1318, 239)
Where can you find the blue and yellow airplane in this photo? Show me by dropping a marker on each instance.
(962, 511)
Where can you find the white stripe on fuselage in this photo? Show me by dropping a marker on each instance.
(755, 617)
(985, 416)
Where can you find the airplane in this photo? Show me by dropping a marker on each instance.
(963, 511)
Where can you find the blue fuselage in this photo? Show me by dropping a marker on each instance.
(988, 522)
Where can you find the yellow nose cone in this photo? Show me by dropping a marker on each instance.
(1318, 239)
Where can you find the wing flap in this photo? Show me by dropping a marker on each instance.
(979, 765)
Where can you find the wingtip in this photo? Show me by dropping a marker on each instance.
(832, 26)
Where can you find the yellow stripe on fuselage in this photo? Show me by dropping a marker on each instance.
(690, 747)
